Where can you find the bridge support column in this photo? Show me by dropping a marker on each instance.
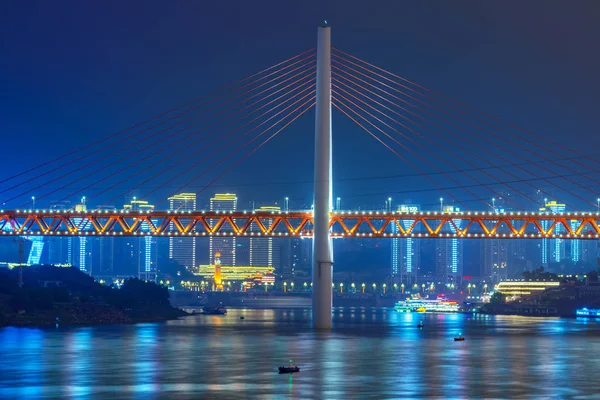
(322, 273)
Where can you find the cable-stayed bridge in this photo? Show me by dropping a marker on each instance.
(474, 160)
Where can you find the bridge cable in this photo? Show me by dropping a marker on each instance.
(162, 149)
(139, 124)
(445, 149)
(133, 144)
(198, 151)
(337, 97)
(466, 106)
(310, 99)
(471, 124)
(463, 138)
(335, 104)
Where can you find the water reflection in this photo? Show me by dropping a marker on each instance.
(371, 352)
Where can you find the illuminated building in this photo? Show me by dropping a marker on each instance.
(575, 244)
(405, 252)
(183, 249)
(217, 279)
(449, 263)
(237, 273)
(60, 249)
(262, 251)
(524, 288)
(143, 248)
(222, 244)
(552, 249)
(495, 258)
(37, 247)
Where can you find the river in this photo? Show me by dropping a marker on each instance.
(370, 353)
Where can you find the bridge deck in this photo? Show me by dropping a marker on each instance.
(363, 224)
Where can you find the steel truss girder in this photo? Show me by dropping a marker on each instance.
(358, 224)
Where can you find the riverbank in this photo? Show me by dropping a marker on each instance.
(89, 314)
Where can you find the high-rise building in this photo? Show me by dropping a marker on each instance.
(575, 245)
(553, 250)
(449, 260)
(183, 249)
(495, 260)
(224, 245)
(143, 247)
(406, 252)
(262, 251)
(60, 249)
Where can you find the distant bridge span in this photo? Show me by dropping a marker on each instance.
(343, 224)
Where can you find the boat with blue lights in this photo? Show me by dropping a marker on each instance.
(588, 312)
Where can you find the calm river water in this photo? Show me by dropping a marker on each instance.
(371, 353)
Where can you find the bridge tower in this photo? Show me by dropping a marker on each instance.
(322, 272)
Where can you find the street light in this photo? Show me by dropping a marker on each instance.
(33, 201)
(384, 286)
(363, 287)
(423, 287)
(494, 204)
(341, 287)
(441, 204)
(390, 203)
(292, 284)
(402, 287)
(284, 287)
(353, 287)
(374, 287)
(338, 204)
(485, 288)
(287, 204)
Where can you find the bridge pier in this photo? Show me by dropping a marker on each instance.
(322, 271)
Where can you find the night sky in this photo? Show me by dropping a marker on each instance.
(72, 72)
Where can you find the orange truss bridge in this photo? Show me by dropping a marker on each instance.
(343, 224)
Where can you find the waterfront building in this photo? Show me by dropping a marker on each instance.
(553, 250)
(449, 257)
(183, 249)
(226, 246)
(406, 252)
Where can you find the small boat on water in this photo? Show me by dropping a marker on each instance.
(242, 318)
(460, 338)
(420, 325)
(289, 369)
(214, 310)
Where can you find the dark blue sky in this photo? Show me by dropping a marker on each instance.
(71, 72)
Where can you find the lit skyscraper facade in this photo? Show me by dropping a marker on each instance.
(144, 247)
(495, 259)
(262, 251)
(222, 244)
(183, 249)
(575, 245)
(405, 252)
(449, 262)
(552, 249)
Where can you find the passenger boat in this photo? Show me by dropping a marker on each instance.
(418, 305)
(588, 312)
